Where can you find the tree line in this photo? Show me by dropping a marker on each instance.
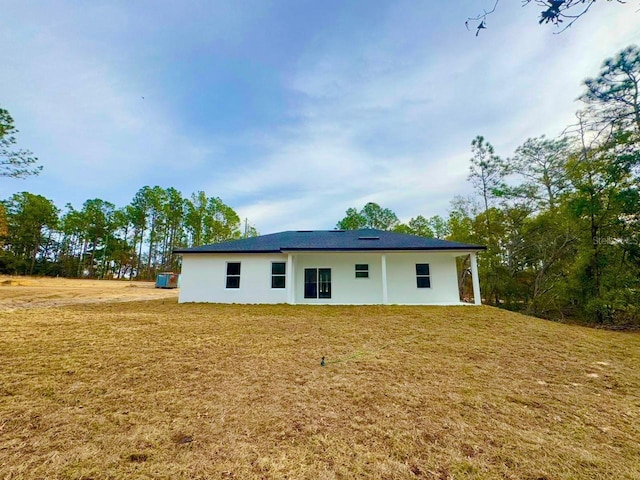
(102, 241)
(561, 216)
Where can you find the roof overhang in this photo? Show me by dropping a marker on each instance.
(470, 248)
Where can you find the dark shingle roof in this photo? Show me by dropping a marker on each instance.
(330, 240)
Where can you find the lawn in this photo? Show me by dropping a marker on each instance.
(153, 389)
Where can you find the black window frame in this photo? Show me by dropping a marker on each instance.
(362, 270)
(279, 280)
(423, 275)
(232, 280)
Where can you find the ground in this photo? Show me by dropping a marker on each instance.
(153, 389)
(30, 292)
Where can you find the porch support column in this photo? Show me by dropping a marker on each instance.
(475, 280)
(291, 281)
(385, 295)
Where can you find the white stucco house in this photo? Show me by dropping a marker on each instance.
(327, 267)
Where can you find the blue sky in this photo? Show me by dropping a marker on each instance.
(291, 111)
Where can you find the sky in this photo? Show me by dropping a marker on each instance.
(290, 111)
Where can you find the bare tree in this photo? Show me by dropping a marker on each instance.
(561, 13)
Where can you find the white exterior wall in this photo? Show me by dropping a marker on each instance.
(204, 276)
(345, 288)
(401, 279)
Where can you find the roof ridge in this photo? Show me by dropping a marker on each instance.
(326, 240)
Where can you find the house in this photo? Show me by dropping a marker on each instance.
(327, 267)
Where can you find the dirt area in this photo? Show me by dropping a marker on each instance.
(30, 292)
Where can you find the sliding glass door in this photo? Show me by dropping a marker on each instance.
(317, 283)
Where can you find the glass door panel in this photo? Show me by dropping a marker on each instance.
(310, 283)
(324, 275)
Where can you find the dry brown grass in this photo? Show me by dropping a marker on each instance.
(160, 390)
(29, 292)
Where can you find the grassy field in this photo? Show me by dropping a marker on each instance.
(153, 389)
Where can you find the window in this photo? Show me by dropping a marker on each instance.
(278, 274)
(233, 274)
(423, 276)
(317, 283)
(362, 270)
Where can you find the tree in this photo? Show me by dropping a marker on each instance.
(14, 163)
(155, 200)
(138, 211)
(433, 227)
(210, 220)
(555, 12)
(4, 226)
(416, 226)
(372, 215)
(249, 230)
(613, 97)
(541, 163)
(550, 240)
(486, 173)
(378, 217)
(604, 204)
(221, 222)
(98, 240)
(353, 220)
(98, 224)
(123, 248)
(438, 226)
(73, 243)
(196, 211)
(28, 216)
(174, 231)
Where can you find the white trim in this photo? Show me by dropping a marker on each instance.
(293, 279)
(385, 292)
(426, 305)
(291, 288)
(453, 252)
(477, 300)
